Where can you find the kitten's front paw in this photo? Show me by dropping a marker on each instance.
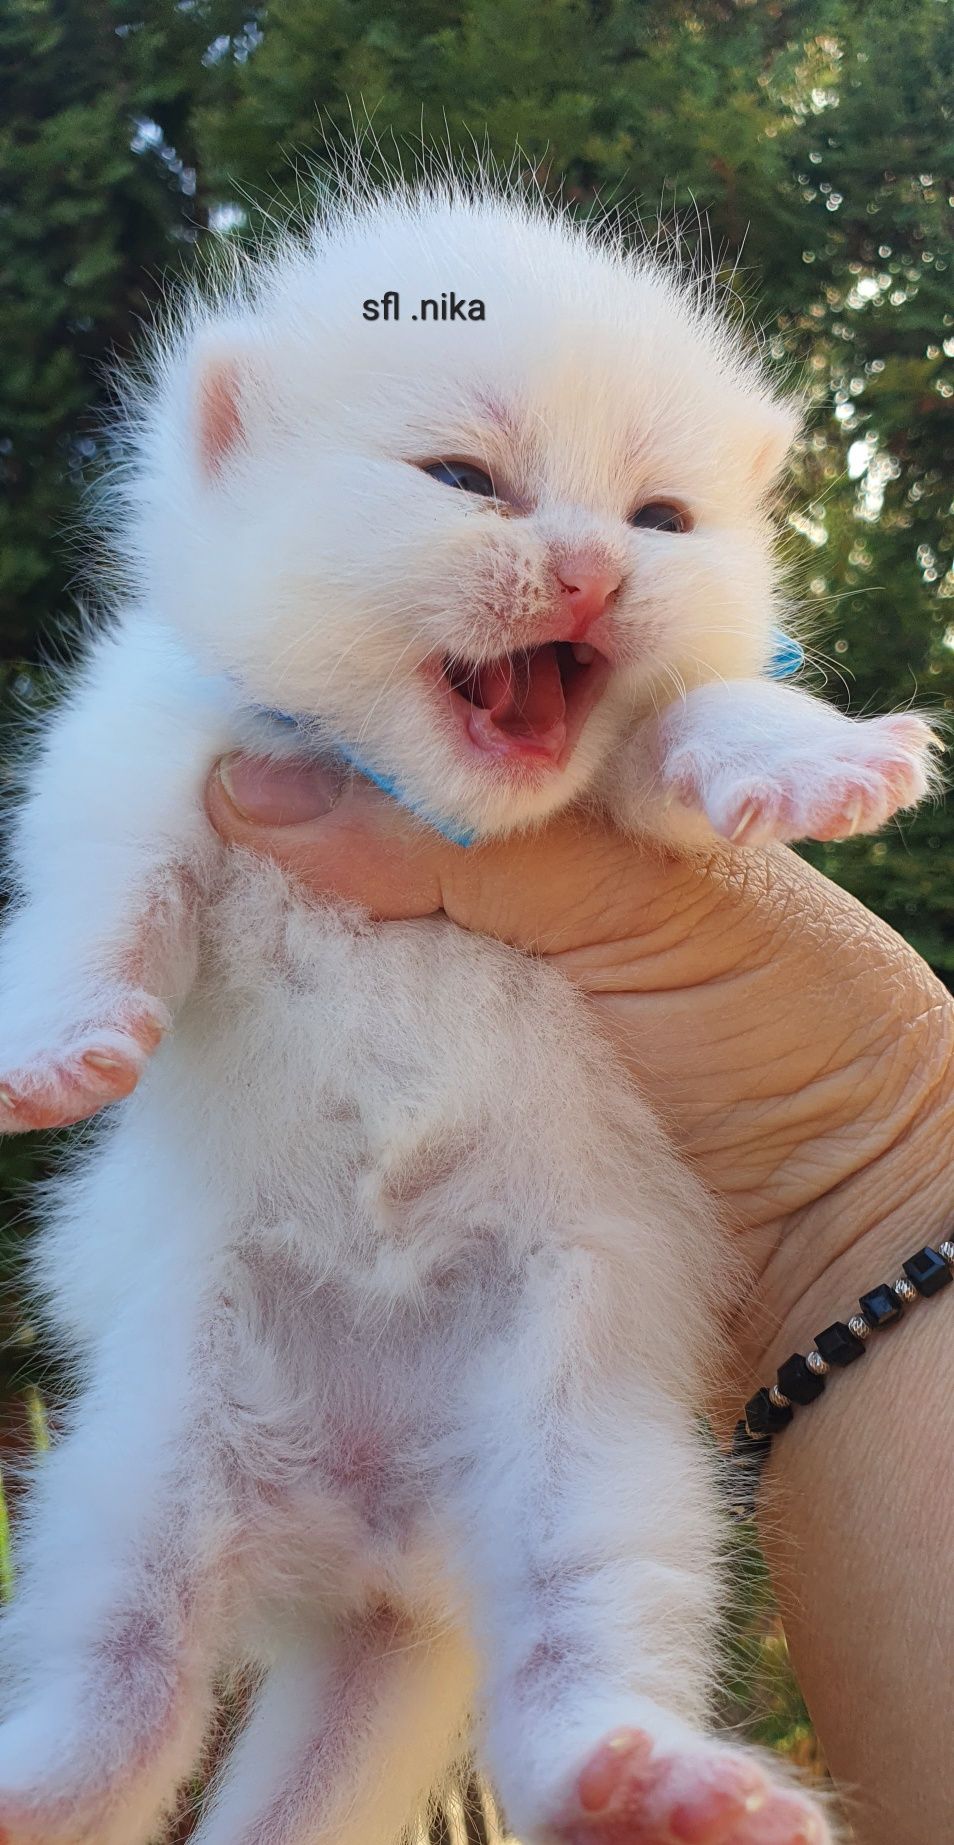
(634, 1791)
(98, 1062)
(851, 781)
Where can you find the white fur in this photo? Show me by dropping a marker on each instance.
(395, 1308)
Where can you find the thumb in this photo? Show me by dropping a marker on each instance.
(570, 890)
(333, 830)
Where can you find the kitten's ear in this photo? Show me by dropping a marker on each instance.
(776, 425)
(228, 399)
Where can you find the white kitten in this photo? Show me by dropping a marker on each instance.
(395, 1307)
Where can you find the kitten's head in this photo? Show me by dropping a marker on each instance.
(477, 549)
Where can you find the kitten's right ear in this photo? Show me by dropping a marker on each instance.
(227, 398)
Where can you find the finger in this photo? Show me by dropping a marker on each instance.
(567, 890)
(332, 830)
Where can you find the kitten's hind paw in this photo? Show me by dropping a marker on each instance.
(632, 1791)
(98, 1063)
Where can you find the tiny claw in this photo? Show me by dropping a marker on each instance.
(853, 816)
(744, 822)
(7, 1100)
(623, 1742)
(103, 1060)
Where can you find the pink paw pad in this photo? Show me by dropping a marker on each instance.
(102, 1064)
(632, 1793)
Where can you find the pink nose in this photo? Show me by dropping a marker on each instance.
(585, 592)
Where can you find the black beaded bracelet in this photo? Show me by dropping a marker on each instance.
(802, 1378)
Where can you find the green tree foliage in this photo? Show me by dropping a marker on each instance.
(97, 207)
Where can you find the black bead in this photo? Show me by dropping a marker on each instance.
(763, 1416)
(749, 1447)
(795, 1380)
(745, 1461)
(928, 1271)
(881, 1306)
(838, 1345)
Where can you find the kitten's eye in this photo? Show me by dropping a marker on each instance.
(661, 516)
(461, 474)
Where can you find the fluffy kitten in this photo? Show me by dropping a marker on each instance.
(395, 1308)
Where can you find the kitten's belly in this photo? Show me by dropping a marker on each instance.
(394, 1121)
(360, 1144)
(396, 1092)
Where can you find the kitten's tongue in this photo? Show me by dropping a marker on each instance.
(518, 704)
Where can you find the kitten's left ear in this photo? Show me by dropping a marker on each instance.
(228, 399)
(776, 424)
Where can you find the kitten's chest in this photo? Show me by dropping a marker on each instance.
(399, 1098)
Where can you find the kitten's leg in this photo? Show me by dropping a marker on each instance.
(766, 762)
(590, 1531)
(99, 946)
(109, 1644)
(83, 1039)
(350, 1735)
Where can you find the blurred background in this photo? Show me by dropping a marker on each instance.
(810, 140)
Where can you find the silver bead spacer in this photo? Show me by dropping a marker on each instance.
(906, 1290)
(817, 1363)
(947, 1251)
(859, 1326)
(779, 1398)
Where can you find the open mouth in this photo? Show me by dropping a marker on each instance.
(530, 705)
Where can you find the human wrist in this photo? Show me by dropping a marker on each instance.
(854, 1505)
(857, 1234)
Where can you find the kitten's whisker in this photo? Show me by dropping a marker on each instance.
(363, 728)
(385, 624)
(299, 642)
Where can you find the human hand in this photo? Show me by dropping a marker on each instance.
(787, 1036)
(801, 1054)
